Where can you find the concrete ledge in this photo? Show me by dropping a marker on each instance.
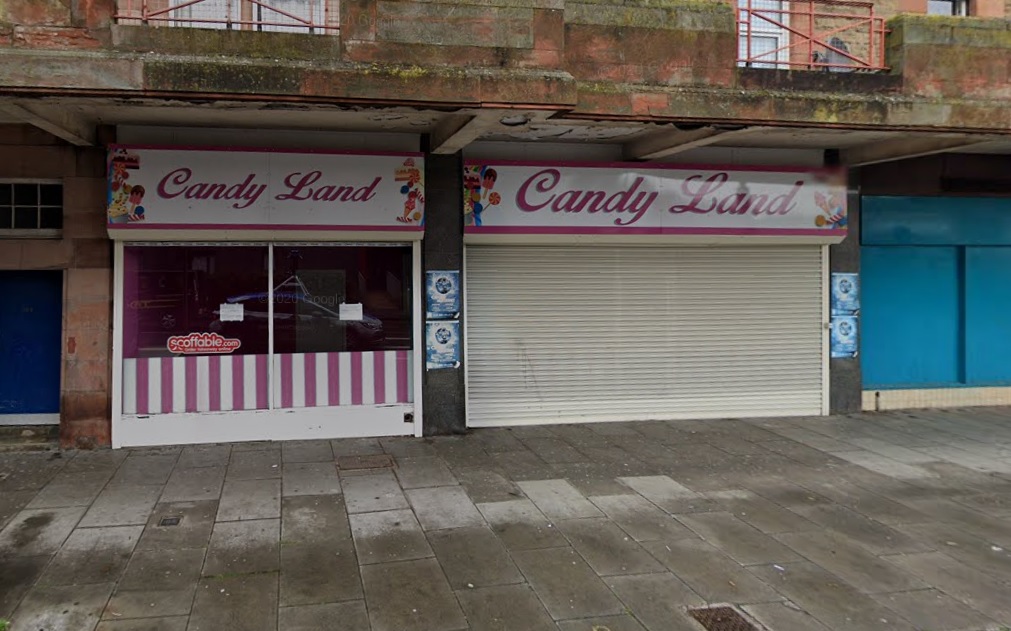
(244, 44)
(881, 400)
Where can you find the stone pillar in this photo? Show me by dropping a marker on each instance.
(846, 379)
(442, 391)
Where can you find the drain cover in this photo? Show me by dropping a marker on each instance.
(721, 619)
(355, 463)
(169, 521)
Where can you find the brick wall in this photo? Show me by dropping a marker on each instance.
(84, 253)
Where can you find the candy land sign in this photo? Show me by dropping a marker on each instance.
(542, 198)
(224, 189)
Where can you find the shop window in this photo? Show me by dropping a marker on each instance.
(31, 209)
(198, 333)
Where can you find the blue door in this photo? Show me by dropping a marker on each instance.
(31, 317)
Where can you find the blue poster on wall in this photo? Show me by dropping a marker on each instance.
(843, 336)
(442, 294)
(845, 294)
(442, 345)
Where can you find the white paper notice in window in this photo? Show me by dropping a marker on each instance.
(231, 312)
(351, 311)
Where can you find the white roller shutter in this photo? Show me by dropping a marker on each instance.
(590, 333)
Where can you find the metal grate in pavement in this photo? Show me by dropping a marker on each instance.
(170, 521)
(721, 619)
(357, 463)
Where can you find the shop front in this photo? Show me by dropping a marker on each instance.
(264, 294)
(611, 292)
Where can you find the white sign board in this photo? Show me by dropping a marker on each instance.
(225, 189)
(546, 198)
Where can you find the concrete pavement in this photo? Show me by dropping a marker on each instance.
(879, 521)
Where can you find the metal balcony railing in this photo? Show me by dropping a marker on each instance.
(831, 35)
(318, 17)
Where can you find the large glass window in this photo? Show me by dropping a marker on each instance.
(198, 333)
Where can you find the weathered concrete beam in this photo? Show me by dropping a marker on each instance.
(904, 148)
(667, 143)
(456, 131)
(61, 123)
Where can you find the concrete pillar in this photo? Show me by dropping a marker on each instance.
(443, 390)
(846, 379)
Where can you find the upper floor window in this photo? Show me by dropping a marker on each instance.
(31, 209)
(948, 7)
(285, 16)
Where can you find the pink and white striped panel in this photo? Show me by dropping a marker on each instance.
(305, 380)
(197, 383)
(211, 383)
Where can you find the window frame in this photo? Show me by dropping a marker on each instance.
(34, 233)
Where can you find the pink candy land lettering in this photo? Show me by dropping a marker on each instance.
(178, 183)
(703, 199)
(537, 193)
(301, 187)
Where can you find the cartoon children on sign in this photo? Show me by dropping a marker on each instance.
(414, 190)
(124, 199)
(478, 182)
(833, 209)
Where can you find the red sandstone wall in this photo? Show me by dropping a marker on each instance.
(84, 253)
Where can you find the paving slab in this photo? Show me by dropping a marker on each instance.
(669, 495)
(144, 470)
(974, 588)
(250, 499)
(19, 574)
(558, 499)
(444, 507)
(866, 502)
(149, 604)
(122, 505)
(194, 456)
(611, 623)
(505, 608)
(307, 451)
(243, 547)
(319, 573)
(405, 447)
(38, 532)
(761, 513)
(740, 541)
(162, 570)
(486, 485)
(11, 503)
(962, 545)
(411, 595)
(92, 555)
(246, 603)
(783, 617)
(521, 526)
(603, 484)
(62, 608)
(554, 450)
(931, 609)
(710, 573)
(658, 601)
(998, 505)
(73, 490)
(606, 548)
(196, 520)
(884, 465)
(873, 535)
(416, 473)
(90, 461)
(566, 584)
(995, 529)
(176, 623)
(356, 447)
(314, 519)
(833, 602)
(851, 562)
(388, 536)
(194, 484)
(373, 492)
(473, 557)
(310, 478)
(352, 617)
(254, 465)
